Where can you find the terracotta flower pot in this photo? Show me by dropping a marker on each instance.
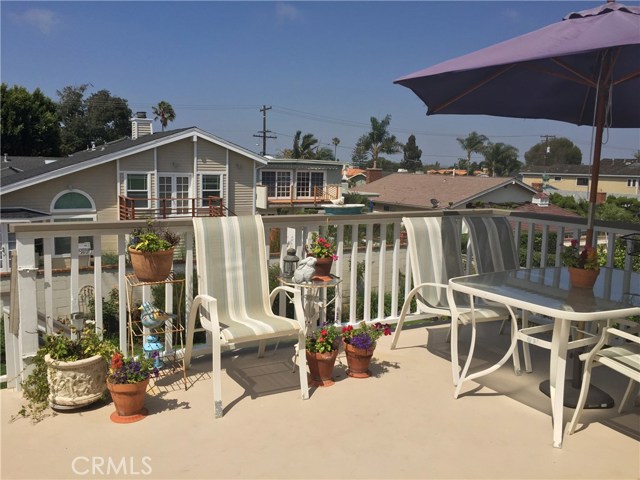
(151, 266)
(581, 278)
(128, 398)
(323, 267)
(321, 368)
(358, 360)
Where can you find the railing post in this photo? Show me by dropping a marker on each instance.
(28, 308)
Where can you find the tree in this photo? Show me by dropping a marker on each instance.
(556, 151)
(30, 124)
(411, 159)
(501, 160)
(378, 141)
(304, 147)
(432, 166)
(336, 142)
(472, 143)
(164, 111)
(324, 153)
(98, 119)
(359, 155)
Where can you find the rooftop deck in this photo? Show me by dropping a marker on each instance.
(401, 423)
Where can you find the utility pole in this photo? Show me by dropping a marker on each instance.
(547, 150)
(264, 131)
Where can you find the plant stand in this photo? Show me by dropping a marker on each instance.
(172, 330)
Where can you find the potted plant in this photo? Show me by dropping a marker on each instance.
(324, 250)
(68, 373)
(322, 349)
(127, 382)
(359, 344)
(583, 265)
(151, 251)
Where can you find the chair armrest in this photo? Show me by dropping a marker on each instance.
(295, 297)
(209, 319)
(611, 331)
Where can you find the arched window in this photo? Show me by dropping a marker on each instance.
(72, 206)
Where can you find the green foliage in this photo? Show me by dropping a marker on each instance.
(153, 238)
(411, 158)
(109, 258)
(321, 246)
(131, 370)
(557, 151)
(365, 334)
(324, 339)
(35, 390)
(29, 122)
(376, 142)
(472, 143)
(164, 112)
(110, 312)
(501, 160)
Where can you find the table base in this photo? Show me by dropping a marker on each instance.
(596, 398)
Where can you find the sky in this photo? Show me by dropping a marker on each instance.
(324, 68)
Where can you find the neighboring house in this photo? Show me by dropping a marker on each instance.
(295, 184)
(354, 176)
(153, 175)
(408, 191)
(540, 204)
(619, 177)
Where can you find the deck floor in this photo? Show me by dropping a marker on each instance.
(401, 423)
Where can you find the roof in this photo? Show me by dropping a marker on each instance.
(414, 190)
(308, 164)
(352, 172)
(32, 170)
(20, 213)
(608, 167)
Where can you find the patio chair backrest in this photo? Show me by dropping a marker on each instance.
(435, 254)
(232, 268)
(493, 244)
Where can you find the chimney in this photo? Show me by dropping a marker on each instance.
(141, 125)
(373, 174)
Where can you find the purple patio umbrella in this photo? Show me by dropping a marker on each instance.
(583, 70)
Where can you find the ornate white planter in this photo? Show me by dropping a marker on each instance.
(76, 384)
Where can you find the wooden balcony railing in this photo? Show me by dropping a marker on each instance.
(171, 208)
(318, 195)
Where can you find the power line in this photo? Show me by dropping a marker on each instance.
(264, 131)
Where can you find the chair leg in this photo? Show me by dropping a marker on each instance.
(217, 380)
(262, 344)
(403, 315)
(586, 380)
(302, 365)
(525, 345)
(629, 395)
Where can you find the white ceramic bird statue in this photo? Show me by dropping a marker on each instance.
(306, 269)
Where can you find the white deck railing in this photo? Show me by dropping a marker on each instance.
(369, 263)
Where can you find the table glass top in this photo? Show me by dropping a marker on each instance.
(549, 287)
(332, 282)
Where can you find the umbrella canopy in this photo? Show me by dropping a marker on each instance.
(583, 70)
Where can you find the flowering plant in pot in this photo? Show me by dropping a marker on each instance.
(583, 264)
(359, 344)
(322, 349)
(151, 251)
(324, 250)
(127, 382)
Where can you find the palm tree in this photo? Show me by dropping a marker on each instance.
(501, 159)
(304, 148)
(379, 140)
(164, 112)
(473, 143)
(336, 142)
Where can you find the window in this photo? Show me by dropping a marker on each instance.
(306, 181)
(557, 179)
(211, 186)
(278, 183)
(632, 182)
(176, 189)
(138, 187)
(583, 182)
(72, 206)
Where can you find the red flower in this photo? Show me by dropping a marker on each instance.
(323, 332)
(116, 361)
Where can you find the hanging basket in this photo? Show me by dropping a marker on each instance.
(151, 266)
(358, 360)
(321, 368)
(128, 398)
(581, 278)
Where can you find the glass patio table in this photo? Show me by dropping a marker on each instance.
(547, 291)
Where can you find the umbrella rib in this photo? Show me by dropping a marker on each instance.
(472, 88)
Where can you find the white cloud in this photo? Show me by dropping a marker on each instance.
(285, 12)
(39, 18)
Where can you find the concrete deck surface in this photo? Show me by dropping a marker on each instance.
(401, 423)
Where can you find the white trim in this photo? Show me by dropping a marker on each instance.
(200, 186)
(226, 178)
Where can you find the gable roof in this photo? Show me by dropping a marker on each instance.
(414, 190)
(608, 167)
(36, 169)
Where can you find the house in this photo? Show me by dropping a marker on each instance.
(291, 185)
(354, 176)
(619, 177)
(407, 191)
(181, 172)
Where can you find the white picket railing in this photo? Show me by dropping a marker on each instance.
(370, 264)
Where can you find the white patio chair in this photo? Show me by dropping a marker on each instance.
(233, 298)
(623, 358)
(494, 250)
(434, 250)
